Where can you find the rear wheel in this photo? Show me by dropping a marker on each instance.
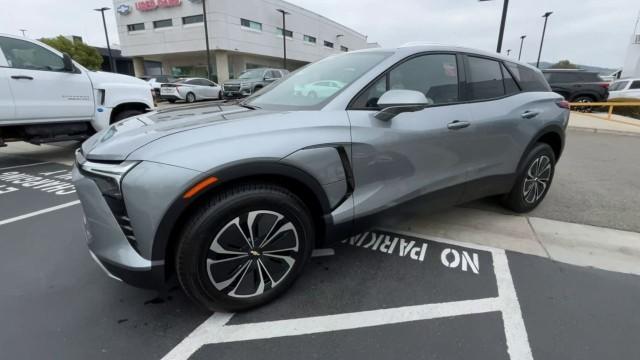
(245, 247)
(534, 180)
(191, 97)
(584, 99)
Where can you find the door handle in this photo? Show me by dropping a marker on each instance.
(21, 77)
(529, 114)
(457, 125)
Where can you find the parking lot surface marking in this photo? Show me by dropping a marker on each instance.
(219, 328)
(43, 211)
(21, 166)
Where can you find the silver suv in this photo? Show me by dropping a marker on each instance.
(232, 199)
(251, 81)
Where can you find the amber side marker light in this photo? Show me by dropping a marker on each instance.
(199, 187)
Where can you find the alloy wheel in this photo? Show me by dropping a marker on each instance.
(252, 254)
(537, 179)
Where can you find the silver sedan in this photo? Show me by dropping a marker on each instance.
(190, 90)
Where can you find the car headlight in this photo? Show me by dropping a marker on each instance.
(108, 177)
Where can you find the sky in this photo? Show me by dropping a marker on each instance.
(589, 32)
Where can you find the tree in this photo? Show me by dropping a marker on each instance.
(84, 54)
(564, 64)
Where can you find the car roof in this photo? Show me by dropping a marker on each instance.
(418, 47)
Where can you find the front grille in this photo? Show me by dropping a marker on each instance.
(231, 87)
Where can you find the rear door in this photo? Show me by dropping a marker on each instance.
(503, 117)
(42, 91)
(414, 153)
(7, 106)
(634, 90)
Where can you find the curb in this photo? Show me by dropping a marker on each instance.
(603, 131)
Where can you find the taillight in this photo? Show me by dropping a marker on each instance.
(604, 85)
(563, 104)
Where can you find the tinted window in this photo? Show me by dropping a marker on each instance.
(26, 55)
(436, 76)
(251, 24)
(194, 19)
(590, 77)
(572, 77)
(484, 80)
(135, 27)
(510, 85)
(619, 85)
(162, 23)
(528, 79)
(635, 85)
(274, 74)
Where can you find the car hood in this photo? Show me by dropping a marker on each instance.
(121, 139)
(240, 81)
(101, 77)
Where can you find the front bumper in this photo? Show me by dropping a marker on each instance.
(107, 242)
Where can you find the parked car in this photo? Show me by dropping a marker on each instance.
(577, 85)
(323, 89)
(231, 199)
(625, 88)
(45, 96)
(190, 90)
(155, 81)
(251, 81)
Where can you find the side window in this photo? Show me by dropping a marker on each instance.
(436, 76)
(484, 80)
(528, 79)
(275, 74)
(635, 85)
(26, 55)
(510, 86)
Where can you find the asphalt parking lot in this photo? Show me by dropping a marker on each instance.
(383, 294)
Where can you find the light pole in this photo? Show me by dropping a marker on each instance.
(206, 38)
(544, 29)
(521, 42)
(23, 31)
(284, 37)
(505, 6)
(104, 23)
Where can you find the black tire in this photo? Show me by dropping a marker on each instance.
(172, 101)
(125, 114)
(214, 228)
(220, 95)
(190, 98)
(533, 181)
(584, 99)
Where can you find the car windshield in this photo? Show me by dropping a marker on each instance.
(316, 84)
(251, 74)
(618, 85)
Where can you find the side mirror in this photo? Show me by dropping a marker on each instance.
(394, 102)
(67, 63)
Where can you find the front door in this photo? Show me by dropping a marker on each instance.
(415, 153)
(41, 89)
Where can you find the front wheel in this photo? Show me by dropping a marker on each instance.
(533, 181)
(245, 247)
(191, 97)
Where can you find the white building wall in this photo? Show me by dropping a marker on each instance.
(226, 33)
(632, 61)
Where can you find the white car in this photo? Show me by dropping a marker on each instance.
(321, 89)
(156, 81)
(190, 90)
(45, 96)
(625, 88)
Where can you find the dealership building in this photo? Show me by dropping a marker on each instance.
(168, 36)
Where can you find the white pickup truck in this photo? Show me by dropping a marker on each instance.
(45, 96)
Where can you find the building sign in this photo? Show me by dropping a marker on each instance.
(123, 9)
(148, 5)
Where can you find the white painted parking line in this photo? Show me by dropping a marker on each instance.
(25, 165)
(35, 213)
(214, 330)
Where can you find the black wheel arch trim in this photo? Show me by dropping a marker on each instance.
(251, 169)
(549, 129)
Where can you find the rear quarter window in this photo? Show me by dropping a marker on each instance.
(619, 85)
(528, 79)
(635, 85)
